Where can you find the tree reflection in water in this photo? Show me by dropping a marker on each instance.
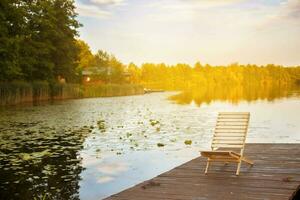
(37, 164)
(234, 93)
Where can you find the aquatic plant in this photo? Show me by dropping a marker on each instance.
(128, 134)
(160, 144)
(42, 197)
(101, 125)
(188, 142)
(154, 122)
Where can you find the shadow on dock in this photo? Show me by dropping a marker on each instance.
(275, 176)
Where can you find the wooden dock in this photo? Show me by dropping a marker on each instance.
(274, 176)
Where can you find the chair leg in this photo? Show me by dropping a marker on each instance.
(238, 168)
(207, 165)
(250, 162)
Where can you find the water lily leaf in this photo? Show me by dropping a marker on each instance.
(188, 142)
(153, 122)
(160, 144)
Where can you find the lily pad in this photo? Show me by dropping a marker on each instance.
(188, 142)
(160, 144)
(153, 122)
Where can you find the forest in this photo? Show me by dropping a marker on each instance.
(184, 76)
(39, 41)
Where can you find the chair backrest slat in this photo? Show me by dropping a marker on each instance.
(235, 146)
(231, 130)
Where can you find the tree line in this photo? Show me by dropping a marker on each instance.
(183, 76)
(39, 41)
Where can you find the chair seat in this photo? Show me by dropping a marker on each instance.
(221, 155)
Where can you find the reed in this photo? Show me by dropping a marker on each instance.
(19, 92)
(60, 91)
(109, 90)
(15, 92)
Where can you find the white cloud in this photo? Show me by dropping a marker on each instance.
(97, 8)
(291, 9)
(107, 2)
(112, 168)
(192, 4)
(91, 11)
(104, 179)
(287, 13)
(211, 3)
(216, 32)
(186, 10)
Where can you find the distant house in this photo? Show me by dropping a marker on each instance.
(61, 79)
(95, 75)
(92, 74)
(127, 76)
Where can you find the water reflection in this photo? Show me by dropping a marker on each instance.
(39, 163)
(235, 93)
(92, 148)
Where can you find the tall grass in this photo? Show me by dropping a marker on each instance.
(15, 92)
(41, 91)
(109, 90)
(65, 91)
(19, 92)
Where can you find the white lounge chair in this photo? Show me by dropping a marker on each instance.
(228, 142)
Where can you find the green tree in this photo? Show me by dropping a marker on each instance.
(85, 58)
(116, 68)
(11, 28)
(63, 39)
(37, 39)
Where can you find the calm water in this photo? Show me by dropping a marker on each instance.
(92, 148)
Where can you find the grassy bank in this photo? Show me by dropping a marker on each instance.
(15, 93)
(19, 92)
(110, 90)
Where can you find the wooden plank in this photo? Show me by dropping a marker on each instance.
(245, 126)
(229, 142)
(230, 137)
(233, 117)
(207, 153)
(241, 120)
(226, 146)
(230, 131)
(230, 128)
(232, 120)
(231, 124)
(275, 175)
(226, 127)
(234, 113)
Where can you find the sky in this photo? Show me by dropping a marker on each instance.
(218, 32)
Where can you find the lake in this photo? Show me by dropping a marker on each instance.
(92, 148)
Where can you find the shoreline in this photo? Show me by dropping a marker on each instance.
(24, 93)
